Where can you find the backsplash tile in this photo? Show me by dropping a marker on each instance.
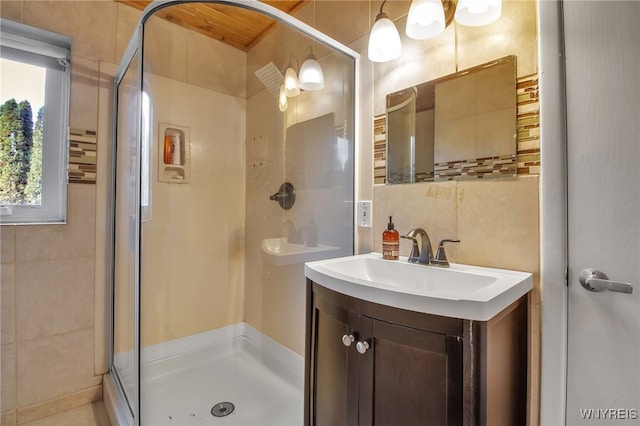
(496, 221)
(82, 156)
(433, 207)
(528, 126)
(528, 144)
(379, 149)
(479, 168)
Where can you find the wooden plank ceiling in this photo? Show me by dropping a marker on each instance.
(235, 26)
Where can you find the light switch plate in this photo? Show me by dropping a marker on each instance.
(364, 214)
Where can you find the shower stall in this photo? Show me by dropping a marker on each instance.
(223, 187)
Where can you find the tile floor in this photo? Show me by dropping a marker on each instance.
(86, 415)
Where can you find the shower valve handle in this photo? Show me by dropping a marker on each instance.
(286, 196)
(278, 196)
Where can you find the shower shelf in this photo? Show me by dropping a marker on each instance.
(174, 162)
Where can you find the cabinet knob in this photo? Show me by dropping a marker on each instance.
(362, 346)
(348, 339)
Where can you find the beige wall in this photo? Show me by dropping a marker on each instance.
(50, 318)
(497, 221)
(193, 242)
(48, 311)
(275, 294)
(193, 245)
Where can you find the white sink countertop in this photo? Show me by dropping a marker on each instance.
(461, 291)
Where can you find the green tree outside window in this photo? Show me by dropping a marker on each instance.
(20, 154)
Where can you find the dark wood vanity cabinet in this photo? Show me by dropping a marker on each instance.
(418, 369)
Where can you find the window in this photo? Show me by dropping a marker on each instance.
(34, 124)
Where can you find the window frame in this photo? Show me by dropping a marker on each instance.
(29, 45)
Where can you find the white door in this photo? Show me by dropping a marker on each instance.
(602, 42)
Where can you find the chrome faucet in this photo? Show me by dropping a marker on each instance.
(293, 236)
(423, 254)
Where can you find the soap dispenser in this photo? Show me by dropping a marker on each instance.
(390, 242)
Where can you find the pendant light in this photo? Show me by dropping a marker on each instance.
(425, 19)
(291, 88)
(384, 40)
(475, 13)
(311, 75)
(282, 99)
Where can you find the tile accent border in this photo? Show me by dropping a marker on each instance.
(528, 144)
(528, 125)
(82, 156)
(480, 168)
(380, 149)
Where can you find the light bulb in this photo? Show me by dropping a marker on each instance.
(384, 40)
(425, 19)
(311, 75)
(475, 13)
(291, 88)
(282, 99)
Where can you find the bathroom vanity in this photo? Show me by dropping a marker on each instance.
(370, 363)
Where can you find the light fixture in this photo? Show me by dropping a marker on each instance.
(291, 88)
(311, 75)
(282, 99)
(425, 19)
(475, 13)
(384, 40)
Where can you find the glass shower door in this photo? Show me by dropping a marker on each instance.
(125, 268)
(202, 315)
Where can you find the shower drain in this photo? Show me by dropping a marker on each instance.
(222, 409)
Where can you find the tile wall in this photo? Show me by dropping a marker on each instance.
(192, 263)
(50, 318)
(48, 313)
(498, 219)
(477, 211)
(53, 358)
(274, 296)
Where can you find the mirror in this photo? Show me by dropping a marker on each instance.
(461, 126)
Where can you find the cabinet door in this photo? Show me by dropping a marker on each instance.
(416, 377)
(331, 384)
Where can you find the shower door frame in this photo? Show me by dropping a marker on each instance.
(136, 46)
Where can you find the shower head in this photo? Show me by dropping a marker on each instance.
(271, 77)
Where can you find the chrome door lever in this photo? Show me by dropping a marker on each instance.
(594, 280)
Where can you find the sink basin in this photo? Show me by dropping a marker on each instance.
(279, 251)
(461, 291)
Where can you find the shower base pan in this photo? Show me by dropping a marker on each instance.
(184, 379)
